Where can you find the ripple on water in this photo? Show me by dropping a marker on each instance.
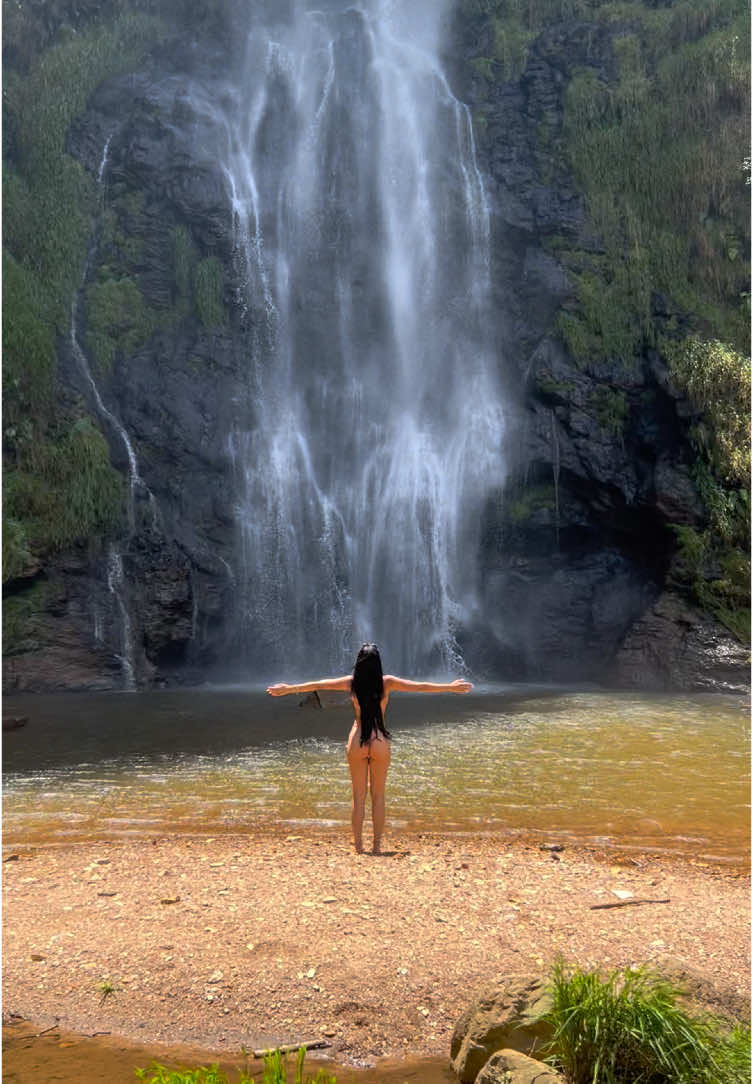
(669, 773)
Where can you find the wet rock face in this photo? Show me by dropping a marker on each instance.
(176, 394)
(575, 551)
(578, 547)
(672, 646)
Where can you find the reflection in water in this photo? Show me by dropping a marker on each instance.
(628, 770)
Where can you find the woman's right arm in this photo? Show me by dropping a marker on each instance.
(402, 685)
(340, 684)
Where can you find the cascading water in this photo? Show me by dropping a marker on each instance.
(375, 419)
(116, 583)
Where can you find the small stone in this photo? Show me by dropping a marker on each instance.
(216, 976)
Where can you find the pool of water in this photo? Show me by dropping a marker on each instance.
(625, 770)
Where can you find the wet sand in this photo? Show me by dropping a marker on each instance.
(262, 939)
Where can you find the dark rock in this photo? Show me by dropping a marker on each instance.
(676, 495)
(311, 701)
(672, 645)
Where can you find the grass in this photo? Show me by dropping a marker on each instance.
(59, 484)
(208, 286)
(106, 989)
(275, 1072)
(120, 321)
(657, 153)
(629, 1028)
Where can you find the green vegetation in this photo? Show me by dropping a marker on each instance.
(716, 379)
(658, 152)
(184, 260)
(658, 156)
(514, 24)
(549, 385)
(106, 989)
(66, 489)
(59, 484)
(22, 627)
(611, 409)
(714, 563)
(657, 147)
(119, 318)
(530, 503)
(275, 1072)
(208, 291)
(628, 1027)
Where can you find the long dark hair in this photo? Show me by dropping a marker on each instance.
(367, 686)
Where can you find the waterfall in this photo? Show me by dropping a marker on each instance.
(374, 419)
(116, 587)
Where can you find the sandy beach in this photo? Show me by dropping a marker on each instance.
(255, 940)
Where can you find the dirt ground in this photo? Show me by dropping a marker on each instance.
(244, 942)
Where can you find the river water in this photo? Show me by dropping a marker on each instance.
(630, 771)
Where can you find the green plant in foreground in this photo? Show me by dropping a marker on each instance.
(627, 1028)
(275, 1072)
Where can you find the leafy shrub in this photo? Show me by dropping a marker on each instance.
(716, 379)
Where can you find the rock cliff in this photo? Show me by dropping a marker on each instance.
(577, 548)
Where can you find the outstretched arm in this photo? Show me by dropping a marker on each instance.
(340, 684)
(402, 685)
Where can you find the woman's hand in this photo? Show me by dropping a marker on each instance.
(460, 685)
(280, 689)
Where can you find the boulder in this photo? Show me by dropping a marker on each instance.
(675, 646)
(512, 1067)
(509, 1016)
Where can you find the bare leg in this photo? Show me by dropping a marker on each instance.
(379, 762)
(359, 769)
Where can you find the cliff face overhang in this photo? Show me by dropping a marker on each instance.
(576, 549)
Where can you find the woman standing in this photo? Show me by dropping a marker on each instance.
(368, 748)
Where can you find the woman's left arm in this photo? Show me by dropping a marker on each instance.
(335, 685)
(403, 685)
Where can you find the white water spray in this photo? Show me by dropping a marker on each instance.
(376, 420)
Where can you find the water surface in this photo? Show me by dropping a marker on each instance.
(627, 770)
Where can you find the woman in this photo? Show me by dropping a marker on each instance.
(368, 747)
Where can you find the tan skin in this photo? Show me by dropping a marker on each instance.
(368, 763)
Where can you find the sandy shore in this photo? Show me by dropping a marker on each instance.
(261, 939)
